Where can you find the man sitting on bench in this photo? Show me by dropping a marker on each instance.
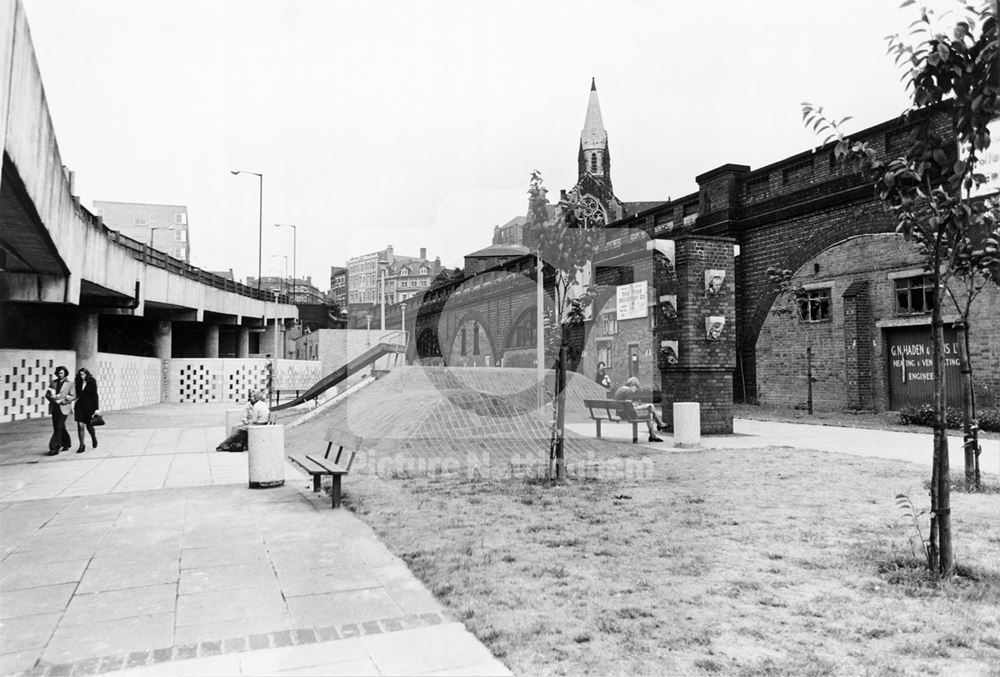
(627, 393)
(257, 413)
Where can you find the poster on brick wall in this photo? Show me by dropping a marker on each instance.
(631, 301)
(989, 164)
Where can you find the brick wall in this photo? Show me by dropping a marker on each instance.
(850, 360)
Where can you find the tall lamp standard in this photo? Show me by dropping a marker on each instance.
(260, 217)
(295, 249)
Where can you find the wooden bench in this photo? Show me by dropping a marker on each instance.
(616, 411)
(317, 466)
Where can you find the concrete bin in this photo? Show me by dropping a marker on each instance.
(687, 424)
(266, 455)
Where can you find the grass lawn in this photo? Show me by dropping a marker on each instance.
(754, 562)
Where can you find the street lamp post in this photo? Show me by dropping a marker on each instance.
(260, 217)
(295, 249)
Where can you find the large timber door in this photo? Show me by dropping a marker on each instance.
(911, 371)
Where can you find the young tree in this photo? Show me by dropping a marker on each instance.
(928, 190)
(566, 244)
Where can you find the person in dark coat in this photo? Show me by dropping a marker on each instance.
(60, 395)
(87, 404)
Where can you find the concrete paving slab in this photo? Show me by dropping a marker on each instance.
(233, 628)
(106, 578)
(13, 577)
(262, 601)
(40, 600)
(353, 606)
(411, 652)
(27, 632)
(125, 603)
(114, 637)
(233, 577)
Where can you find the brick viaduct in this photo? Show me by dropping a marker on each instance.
(780, 215)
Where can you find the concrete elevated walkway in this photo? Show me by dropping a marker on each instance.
(150, 556)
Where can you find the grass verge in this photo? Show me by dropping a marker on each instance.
(751, 562)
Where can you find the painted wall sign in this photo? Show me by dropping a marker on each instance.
(631, 301)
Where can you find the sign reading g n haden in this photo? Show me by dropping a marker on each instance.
(631, 301)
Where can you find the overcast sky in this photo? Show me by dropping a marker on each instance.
(417, 123)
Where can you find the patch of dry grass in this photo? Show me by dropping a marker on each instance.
(758, 562)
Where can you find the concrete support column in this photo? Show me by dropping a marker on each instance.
(242, 342)
(211, 340)
(85, 341)
(698, 345)
(163, 337)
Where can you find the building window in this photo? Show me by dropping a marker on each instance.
(179, 235)
(652, 317)
(424, 270)
(604, 353)
(475, 338)
(463, 341)
(404, 271)
(593, 162)
(179, 219)
(610, 321)
(139, 221)
(914, 295)
(525, 333)
(814, 305)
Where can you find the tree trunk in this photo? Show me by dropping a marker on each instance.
(559, 431)
(970, 430)
(941, 549)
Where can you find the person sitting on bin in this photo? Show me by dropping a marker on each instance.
(258, 413)
(627, 393)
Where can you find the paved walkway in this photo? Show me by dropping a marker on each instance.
(902, 446)
(149, 555)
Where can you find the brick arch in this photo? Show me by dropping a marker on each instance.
(790, 245)
(465, 315)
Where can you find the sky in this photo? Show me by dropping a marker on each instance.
(418, 123)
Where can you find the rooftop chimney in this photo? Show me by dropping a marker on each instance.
(423, 252)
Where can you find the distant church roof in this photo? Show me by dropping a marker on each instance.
(593, 136)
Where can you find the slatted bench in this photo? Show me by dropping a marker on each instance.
(616, 411)
(318, 466)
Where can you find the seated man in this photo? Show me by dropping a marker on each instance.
(257, 413)
(627, 392)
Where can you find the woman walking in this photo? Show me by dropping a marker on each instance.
(87, 404)
(60, 395)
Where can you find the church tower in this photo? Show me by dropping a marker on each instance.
(593, 184)
(594, 158)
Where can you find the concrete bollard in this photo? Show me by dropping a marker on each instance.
(233, 418)
(266, 455)
(687, 424)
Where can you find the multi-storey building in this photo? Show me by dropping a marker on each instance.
(404, 276)
(338, 286)
(299, 290)
(163, 227)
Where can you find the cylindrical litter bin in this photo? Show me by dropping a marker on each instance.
(233, 418)
(687, 424)
(266, 455)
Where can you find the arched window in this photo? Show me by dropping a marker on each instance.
(525, 332)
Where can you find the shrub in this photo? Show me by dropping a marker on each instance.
(989, 419)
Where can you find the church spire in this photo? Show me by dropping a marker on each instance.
(594, 158)
(594, 136)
